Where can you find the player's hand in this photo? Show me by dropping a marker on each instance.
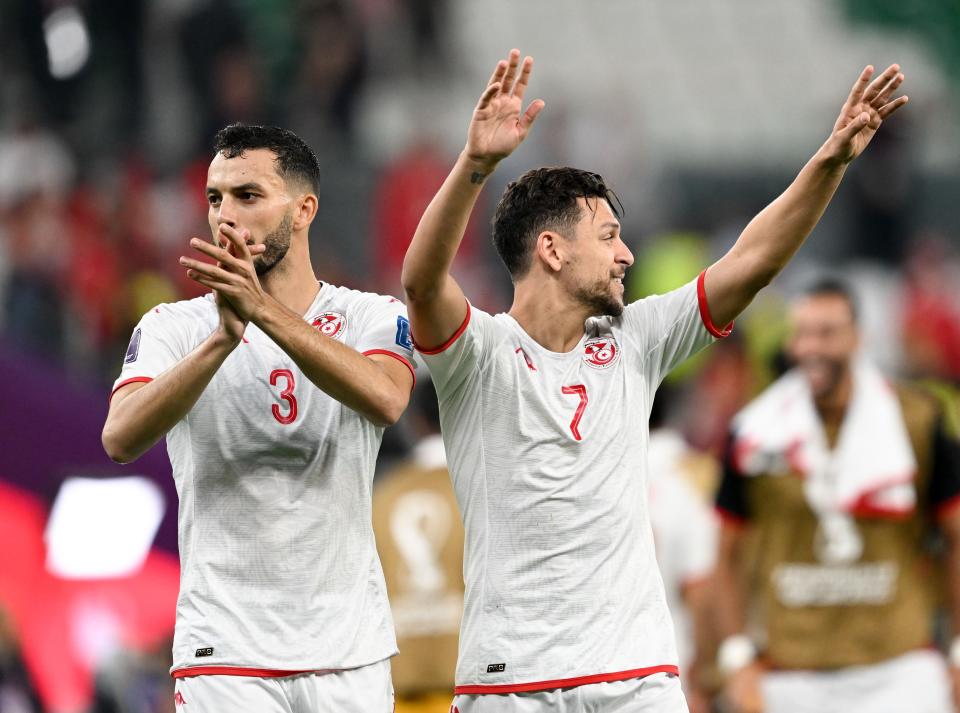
(742, 690)
(497, 126)
(234, 277)
(867, 106)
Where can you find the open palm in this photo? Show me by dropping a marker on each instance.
(865, 109)
(497, 126)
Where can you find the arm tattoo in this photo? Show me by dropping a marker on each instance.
(477, 177)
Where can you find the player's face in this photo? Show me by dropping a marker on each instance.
(598, 259)
(823, 341)
(246, 192)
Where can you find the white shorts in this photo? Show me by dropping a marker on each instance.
(656, 693)
(367, 689)
(916, 682)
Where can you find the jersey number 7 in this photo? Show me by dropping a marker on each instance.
(581, 391)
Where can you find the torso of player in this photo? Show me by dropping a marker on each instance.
(549, 455)
(274, 477)
(824, 614)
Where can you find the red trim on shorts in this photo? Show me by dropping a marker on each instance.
(705, 311)
(132, 380)
(192, 671)
(399, 357)
(564, 682)
(449, 343)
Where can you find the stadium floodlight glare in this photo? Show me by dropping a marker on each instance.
(68, 42)
(102, 527)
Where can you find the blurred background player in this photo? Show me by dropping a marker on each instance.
(837, 475)
(273, 393)
(420, 540)
(564, 608)
(680, 481)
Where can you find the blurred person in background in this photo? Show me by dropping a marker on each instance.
(680, 482)
(564, 607)
(257, 388)
(837, 476)
(420, 540)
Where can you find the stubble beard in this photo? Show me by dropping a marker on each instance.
(277, 243)
(598, 299)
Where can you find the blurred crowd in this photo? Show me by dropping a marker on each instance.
(101, 185)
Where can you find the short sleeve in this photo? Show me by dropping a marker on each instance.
(454, 360)
(731, 498)
(669, 328)
(385, 329)
(158, 342)
(945, 476)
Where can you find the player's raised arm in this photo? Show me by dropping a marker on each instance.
(142, 408)
(775, 234)
(435, 301)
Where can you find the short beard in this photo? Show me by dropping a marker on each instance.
(277, 243)
(598, 299)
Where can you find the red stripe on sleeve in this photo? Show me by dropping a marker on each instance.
(399, 357)
(705, 311)
(449, 343)
(131, 380)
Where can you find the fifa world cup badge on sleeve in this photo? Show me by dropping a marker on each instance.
(133, 350)
(403, 333)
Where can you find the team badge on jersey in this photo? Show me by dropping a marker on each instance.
(330, 324)
(601, 352)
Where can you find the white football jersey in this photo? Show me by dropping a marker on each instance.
(684, 531)
(279, 571)
(548, 458)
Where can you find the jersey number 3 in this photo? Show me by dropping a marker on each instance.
(581, 391)
(287, 395)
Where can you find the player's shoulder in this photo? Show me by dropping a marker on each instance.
(349, 298)
(183, 312)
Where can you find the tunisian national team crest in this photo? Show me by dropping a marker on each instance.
(601, 352)
(330, 324)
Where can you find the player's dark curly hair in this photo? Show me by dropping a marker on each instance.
(543, 199)
(295, 160)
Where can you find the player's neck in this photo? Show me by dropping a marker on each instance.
(548, 315)
(293, 283)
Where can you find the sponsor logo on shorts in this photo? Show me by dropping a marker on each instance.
(178, 699)
(601, 352)
(208, 651)
(330, 324)
(496, 667)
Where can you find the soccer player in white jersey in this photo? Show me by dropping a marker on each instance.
(544, 409)
(273, 392)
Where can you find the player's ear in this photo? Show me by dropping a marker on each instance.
(549, 249)
(305, 211)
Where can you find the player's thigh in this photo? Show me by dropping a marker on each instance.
(237, 694)
(658, 693)
(367, 689)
